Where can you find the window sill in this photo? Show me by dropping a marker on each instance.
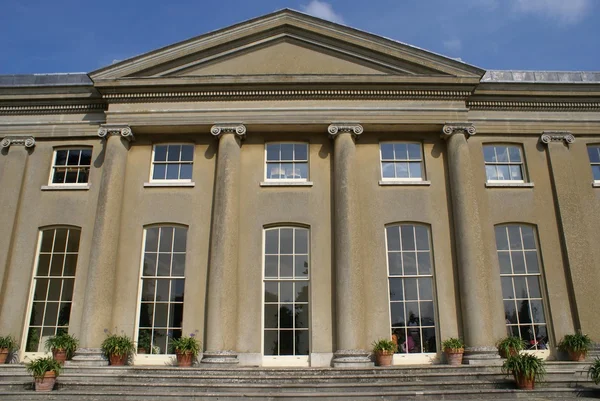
(65, 187)
(286, 184)
(169, 184)
(509, 185)
(404, 183)
(596, 184)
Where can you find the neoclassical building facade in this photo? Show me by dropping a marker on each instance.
(290, 190)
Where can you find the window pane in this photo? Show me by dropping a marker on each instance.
(503, 172)
(415, 170)
(179, 244)
(286, 291)
(41, 288)
(271, 346)
(515, 173)
(422, 235)
(396, 291)
(301, 241)
(301, 170)
(501, 153)
(51, 314)
(162, 290)
(425, 289)
(174, 153)
(300, 151)
(301, 266)
(160, 172)
(286, 317)
(287, 152)
(528, 238)
(286, 240)
(514, 153)
(520, 287)
(301, 317)
(60, 240)
(410, 289)
(160, 153)
(273, 152)
(491, 173)
(175, 315)
(596, 172)
(301, 291)
(86, 157)
(272, 242)
(61, 157)
(271, 291)
(271, 316)
(161, 311)
(507, 288)
(44, 264)
(532, 262)
(408, 239)
(286, 266)
(414, 151)
(504, 261)
(56, 266)
(70, 265)
(73, 157)
(166, 239)
(489, 154)
(427, 318)
(397, 314)
(187, 153)
(534, 287)
(510, 311)
(151, 239)
(164, 264)
(395, 263)
(271, 266)
(185, 172)
(518, 262)
(401, 151)
(594, 154)
(514, 234)
(387, 151)
(178, 265)
(401, 170)
(177, 290)
(172, 171)
(409, 262)
(393, 238)
(424, 262)
(148, 289)
(501, 238)
(388, 170)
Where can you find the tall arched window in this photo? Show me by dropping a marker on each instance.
(520, 274)
(53, 284)
(162, 284)
(410, 275)
(286, 284)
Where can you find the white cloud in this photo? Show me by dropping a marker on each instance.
(453, 45)
(324, 10)
(565, 11)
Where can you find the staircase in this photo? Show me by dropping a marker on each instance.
(565, 380)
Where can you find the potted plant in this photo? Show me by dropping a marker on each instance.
(63, 346)
(510, 346)
(576, 345)
(384, 352)
(526, 369)
(7, 345)
(594, 371)
(118, 348)
(454, 349)
(186, 349)
(44, 371)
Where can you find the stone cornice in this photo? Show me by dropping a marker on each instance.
(557, 136)
(52, 108)
(338, 128)
(234, 128)
(468, 129)
(122, 130)
(27, 141)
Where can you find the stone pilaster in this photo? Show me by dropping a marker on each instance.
(348, 270)
(15, 150)
(221, 303)
(574, 231)
(479, 311)
(99, 294)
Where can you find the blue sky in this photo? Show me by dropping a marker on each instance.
(48, 36)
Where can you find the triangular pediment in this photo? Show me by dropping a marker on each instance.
(287, 43)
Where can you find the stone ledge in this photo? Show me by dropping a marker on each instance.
(65, 187)
(509, 185)
(596, 184)
(404, 183)
(286, 184)
(169, 184)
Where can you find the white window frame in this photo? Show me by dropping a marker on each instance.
(287, 180)
(22, 350)
(285, 360)
(150, 358)
(416, 357)
(166, 163)
(53, 167)
(507, 163)
(592, 164)
(408, 161)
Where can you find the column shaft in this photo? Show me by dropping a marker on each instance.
(481, 315)
(221, 324)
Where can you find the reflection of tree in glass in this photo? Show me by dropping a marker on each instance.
(32, 340)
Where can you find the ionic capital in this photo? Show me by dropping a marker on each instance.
(123, 130)
(338, 128)
(27, 141)
(557, 136)
(220, 129)
(468, 129)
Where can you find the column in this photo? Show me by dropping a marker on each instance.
(99, 294)
(15, 149)
(481, 315)
(576, 237)
(349, 289)
(221, 302)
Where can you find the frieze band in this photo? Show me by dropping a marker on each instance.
(458, 128)
(354, 129)
(28, 142)
(557, 136)
(238, 129)
(123, 130)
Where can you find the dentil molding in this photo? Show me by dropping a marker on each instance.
(123, 130)
(235, 128)
(338, 128)
(557, 136)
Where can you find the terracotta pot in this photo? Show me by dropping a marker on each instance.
(525, 383)
(3, 355)
(184, 359)
(384, 358)
(141, 350)
(59, 355)
(118, 360)
(577, 356)
(511, 352)
(454, 356)
(46, 383)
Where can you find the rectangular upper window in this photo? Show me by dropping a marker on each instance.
(401, 161)
(172, 162)
(504, 163)
(286, 162)
(594, 154)
(71, 166)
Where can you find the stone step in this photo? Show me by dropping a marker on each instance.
(456, 394)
